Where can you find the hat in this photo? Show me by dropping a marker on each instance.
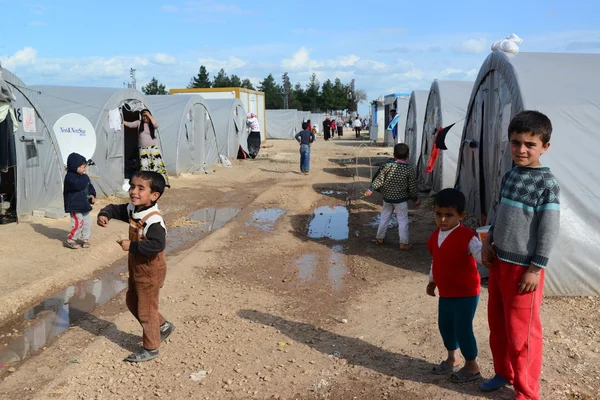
(393, 109)
(249, 115)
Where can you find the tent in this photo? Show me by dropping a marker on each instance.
(316, 119)
(301, 117)
(115, 148)
(186, 130)
(446, 106)
(413, 131)
(566, 88)
(229, 120)
(282, 124)
(36, 183)
(400, 103)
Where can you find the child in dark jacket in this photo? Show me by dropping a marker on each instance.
(79, 195)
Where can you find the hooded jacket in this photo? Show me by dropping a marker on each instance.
(77, 188)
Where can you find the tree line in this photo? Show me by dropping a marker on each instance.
(314, 96)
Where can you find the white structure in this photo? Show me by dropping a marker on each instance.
(413, 132)
(229, 121)
(283, 124)
(399, 102)
(566, 88)
(377, 128)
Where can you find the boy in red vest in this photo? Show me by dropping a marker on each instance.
(516, 250)
(455, 250)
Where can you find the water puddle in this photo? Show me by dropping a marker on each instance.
(329, 222)
(265, 218)
(376, 220)
(306, 267)
(337, 267)
(39, 326)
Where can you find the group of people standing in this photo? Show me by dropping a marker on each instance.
(330, 127)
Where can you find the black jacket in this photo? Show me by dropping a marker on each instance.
(77, 188)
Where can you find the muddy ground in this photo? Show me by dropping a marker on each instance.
(279, 303)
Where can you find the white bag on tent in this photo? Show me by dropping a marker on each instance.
(508, 45)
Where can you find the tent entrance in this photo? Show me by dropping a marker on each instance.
(130, 141)
(8, 198)
(482, 174)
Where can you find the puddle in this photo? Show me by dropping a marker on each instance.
(375, 221)
(329, 222)
(265, 218)
(39, 326)
(337, 267)
(330, 192)
(306, 267)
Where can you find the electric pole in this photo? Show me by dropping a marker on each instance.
(285, 90)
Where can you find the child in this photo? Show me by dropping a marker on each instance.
(79, 195)
(147, 264)
(396, 180)
(454, 249)
(517, 249)
(305, 138)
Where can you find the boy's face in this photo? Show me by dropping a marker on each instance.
(140, 193)
(81, 169)
(447, 218)
(526, 149)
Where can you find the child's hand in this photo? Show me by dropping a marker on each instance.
(368, 192)
(92, 199)
(431, 289)
(124, 244)
(530, 280)
(488, 253)
(102, 221)
(417, 203)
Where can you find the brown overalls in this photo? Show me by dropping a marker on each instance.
(146, 277)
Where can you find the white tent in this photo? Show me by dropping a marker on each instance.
(229, 119)
(446, 105)
(566, 88)
(281, 124)
(400, 103)
(116, 148)
(301, 117)
(37, 181)
(413, 132)
(186, 130)
(316, 119)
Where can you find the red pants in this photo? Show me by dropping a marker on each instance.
(515, 329)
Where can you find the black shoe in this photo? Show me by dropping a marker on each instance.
(165, 330)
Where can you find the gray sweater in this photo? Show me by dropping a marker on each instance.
(528, 216)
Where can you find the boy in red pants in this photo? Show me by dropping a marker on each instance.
(516, 250)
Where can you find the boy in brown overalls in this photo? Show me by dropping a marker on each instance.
(147, 263)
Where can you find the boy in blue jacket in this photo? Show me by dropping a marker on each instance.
(79, 195)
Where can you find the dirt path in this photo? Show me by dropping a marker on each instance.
(269, 309)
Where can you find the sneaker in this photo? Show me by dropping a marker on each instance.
(165, 330)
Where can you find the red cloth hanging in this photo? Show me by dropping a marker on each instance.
(435, 153)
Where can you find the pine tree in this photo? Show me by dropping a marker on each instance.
(201, 80)
(153, 87)
(235, 81)
(221, 80)
(312, 94)
(247, 84)
(273, 99)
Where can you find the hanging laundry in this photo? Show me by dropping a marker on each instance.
(114, 120)
(438, 144)
(392, 125)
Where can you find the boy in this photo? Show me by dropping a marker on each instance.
(79, 195)
(455, 249)
(397, 183)
(305, 138)
(517, 249)
(147, 264)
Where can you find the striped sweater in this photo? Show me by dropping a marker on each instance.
(528, 216)
(396, 180)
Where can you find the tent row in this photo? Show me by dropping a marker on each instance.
(284, 124)
(53, 121)
(457, 133)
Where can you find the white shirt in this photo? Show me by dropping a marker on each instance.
(474, 247)
(357, 123)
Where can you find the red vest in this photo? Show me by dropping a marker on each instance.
(454, 269)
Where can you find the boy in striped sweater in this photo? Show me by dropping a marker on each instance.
(517, 250)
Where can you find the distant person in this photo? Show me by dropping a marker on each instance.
(147, 263)
(397, 183)
(149, 145)
(315, 130)
(326, 128)
(393, 125)
(340, 129)
(79, 195)
(305, 138)
(333, 128)
(357, 124)
(254, 136)
(309, 125)
(455, 250)
(517, 249)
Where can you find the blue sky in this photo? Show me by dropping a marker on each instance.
(388, 47)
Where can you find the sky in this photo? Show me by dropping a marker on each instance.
(387, 47)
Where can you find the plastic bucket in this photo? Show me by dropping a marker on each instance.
(482, 232)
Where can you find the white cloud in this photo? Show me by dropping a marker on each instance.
(213, 65)
(24, 57)
(210, 6)
(169, 8)
(36, 8)
(164, 59)
(348, 61)
(471, 46)
(300, 59)
(36, 23)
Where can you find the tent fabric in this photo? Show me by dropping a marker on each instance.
(401, 105)
(413, 131)
(566, 88)
(40, 170)
(316, 119)
(301, 117)
(95, 105)
(446, 104)
(184, 131)
(282, 124)
(229, 119)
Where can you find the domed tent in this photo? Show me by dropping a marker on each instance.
(185, 128)
(116, 151)
(229, 120)
(566, 88)
(413, 131)
(445, 113)
(36, 182)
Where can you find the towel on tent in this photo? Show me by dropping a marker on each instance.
(438, 144)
